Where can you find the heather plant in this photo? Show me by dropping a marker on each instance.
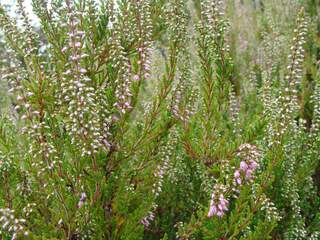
(150, 119)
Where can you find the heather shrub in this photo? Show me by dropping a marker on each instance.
(150, 119)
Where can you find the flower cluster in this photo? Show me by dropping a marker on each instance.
(128, 74)
(82, 199)
(144, 50)
(146, 221)
(218, 203)
(293, 77)
(30, 36)
(183, 105)
(249, 156)
(316, 113)
(12, 225)
(177, 21)
(29, 209)
(77, 91)
(157, 187)
(234, 111)
(124, 80)
(272, 213)
(124, 118)
(6, 163)
(213, 13)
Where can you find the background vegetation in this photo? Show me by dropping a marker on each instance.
(154, 119)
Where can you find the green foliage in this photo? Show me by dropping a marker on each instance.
(152, 119)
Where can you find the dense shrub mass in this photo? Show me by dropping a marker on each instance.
(160, 119)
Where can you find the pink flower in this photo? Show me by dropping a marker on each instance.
(212, 195)
(223, 203)
(238, 181)
(146, 75)
(145, 222)
(80, 204)
(217, 208)
(243, 166)
(249, 174)
(82, 199)
(82, 70)
(220, 213)
(127, 104)
(136, 78)
(253, 164)
(212, 211)
(83, 196)
(115, 117)
(146, 67)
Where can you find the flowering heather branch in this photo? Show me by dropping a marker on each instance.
(249, 156)
(28, 81)
(160, 173)
(132, 73)
(218, 203)
(122, 120)
(183, 99)
(288, 98)
(145, 30)
(234, 110)
(124, 81)
(272, 213)
(215, 63)
(78, 94)
(294, 74)
(30, 36)
(175, 49)
(316, 112)
(220, 197)
(12, 33)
